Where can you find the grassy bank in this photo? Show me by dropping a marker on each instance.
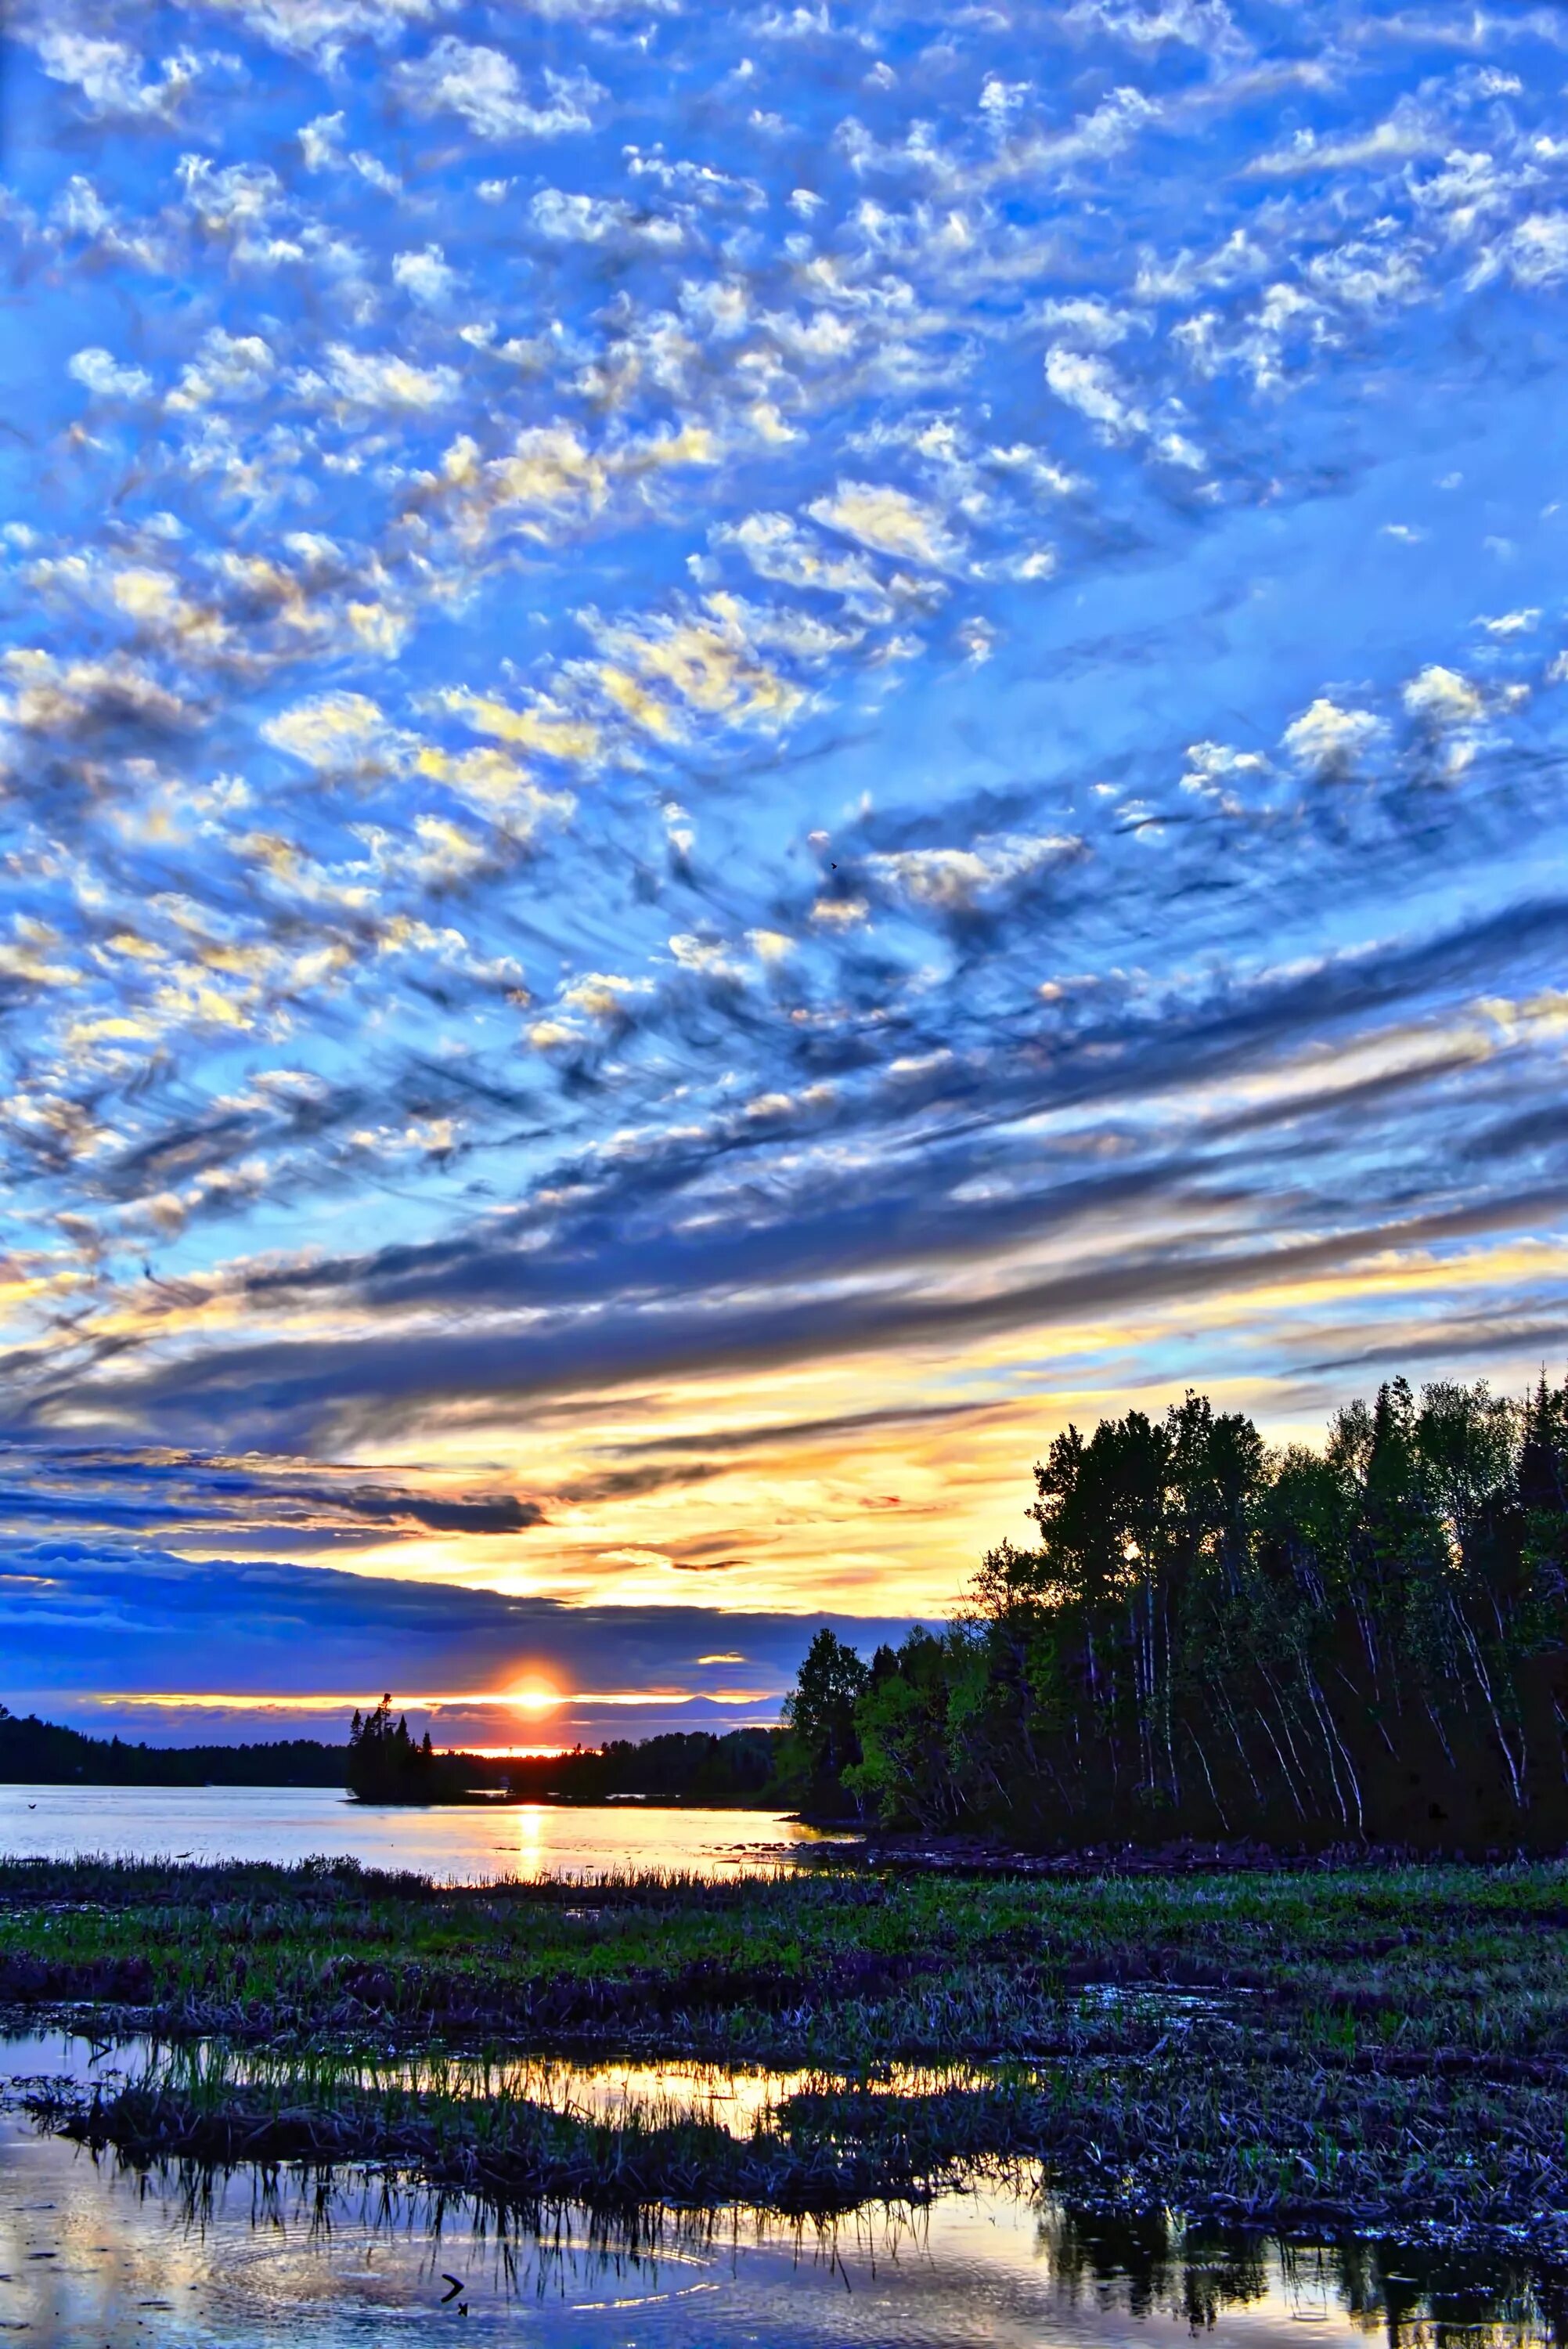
(1312, 2048)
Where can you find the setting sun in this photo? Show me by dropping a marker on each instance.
(533, 1696)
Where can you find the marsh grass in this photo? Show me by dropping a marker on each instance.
(1312, 2046)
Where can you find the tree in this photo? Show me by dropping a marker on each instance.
(386, 1764)
(819, 1716)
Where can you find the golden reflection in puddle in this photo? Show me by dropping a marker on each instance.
(92, 2253)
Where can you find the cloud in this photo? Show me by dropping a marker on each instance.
(588, 794)
(426, 275)
(385, 380)
(1328, 741)
(226, 367)
(1408, 132)
(330, 731)
(106, 379)
(1512, 624)
(890, 522)
(778, 548)
(83, 1617)
(1441, 696)
(1205, 25)
(1534, 254)
(321, 29)
(598, 220)
(83, 698)
(484, 87)
(1090, 384)
(110, 74)
(951, 880)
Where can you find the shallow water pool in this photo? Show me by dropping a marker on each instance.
(94, 2252)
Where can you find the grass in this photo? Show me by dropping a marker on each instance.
(1313, 2047)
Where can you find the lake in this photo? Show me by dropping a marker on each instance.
(94, 2252)
(287, 1824)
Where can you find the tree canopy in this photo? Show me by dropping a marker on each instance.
(1212, 1638)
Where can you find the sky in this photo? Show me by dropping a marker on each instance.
(745, 751)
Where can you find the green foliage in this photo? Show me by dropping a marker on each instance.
(822, 1741)
(1210, 1639)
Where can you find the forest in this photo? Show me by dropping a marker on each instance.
(1209, 1638)
(35, 1753)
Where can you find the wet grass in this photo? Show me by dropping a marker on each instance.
(1302, 2047)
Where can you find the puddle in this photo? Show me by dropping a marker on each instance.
(94, 2252)
(91, 2252)
(734, 2096)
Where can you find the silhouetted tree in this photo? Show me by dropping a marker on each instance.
(1211, 1639)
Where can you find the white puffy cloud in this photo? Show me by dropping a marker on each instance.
(226, 369)
(839, 914)
(54, 696)
(890, 522)
(108, 73)
(598, 220)
(592, 12)
(1512, 624)
(1091, 385)
(321, 29)
(1442, 697)
(104, 377)
(427, 276)
(330, 731)
(1407, 132)
(1327, 740)
(244, 201)
(712, 664)
(383, 379)
(949, 880)
(1218, 771)
(1536, 253)
(777, 547)
(1085, 322)
(484, 87)
(321, 143)
(1205, 25)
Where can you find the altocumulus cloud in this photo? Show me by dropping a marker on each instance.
(738, 761)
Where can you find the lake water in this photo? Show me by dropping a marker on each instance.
(288, 1823)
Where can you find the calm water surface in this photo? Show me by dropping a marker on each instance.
(289, 1824)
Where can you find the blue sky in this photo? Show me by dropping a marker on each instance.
(745, 751)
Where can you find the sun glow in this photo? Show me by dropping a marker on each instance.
(532, 1696)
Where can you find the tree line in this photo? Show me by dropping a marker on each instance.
(386, 1763)
(36, 1753)
(1211, 1639)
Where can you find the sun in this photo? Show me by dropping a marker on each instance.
(532, 1696)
